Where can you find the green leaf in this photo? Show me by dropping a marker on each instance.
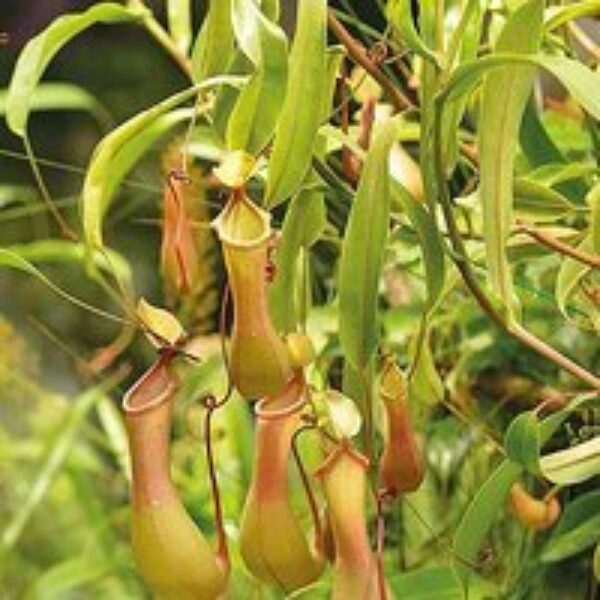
(539, 202)
(57, 454)
(488, 503)
(213, 47)
(577, 530)
(522, 441)
(134, 149)
(570, 273)
(399, 14)
(469, 40)
(574, 465)
(555, 174)
(253, 118)
(60, 579)
(537, 145)
(362, 252)
(41, 49)
(120, 149)
(62, 251)
(504, 96)
(300, 115)
(12, 260)
(179, 16)
(539, 149)
(581, 82)
(425, 386)
(111, 420)
(61, 96)
(431, 583)
(555, 16)
(303, 225)
(481, 514)
(271, 9)
(430, 242)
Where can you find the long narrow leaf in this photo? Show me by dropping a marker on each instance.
(300, 115)
(40, 50)
(362, 252)
(504, 96)
(99, 184)
(213, 47)
(253, 118)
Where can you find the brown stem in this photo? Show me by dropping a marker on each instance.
(65, 229)
(348, 162)
(312, 503)
(360, 55)
(463, 264)
(212, 404)
(554, 355)
(551, 242)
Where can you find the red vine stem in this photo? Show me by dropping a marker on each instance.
(212, 404)
(312, 503)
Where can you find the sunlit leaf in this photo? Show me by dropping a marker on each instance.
(430, 241)
(254, 115)
(362, 252)
(235, 168)
(504, 96)
(555, 16)
(213, 47)
(399, 14)
(344, 416)
(573, 465)
(159, 322)
(300, 115)
(41, 49)
(304, 222)
(101, 181)
(179, 15)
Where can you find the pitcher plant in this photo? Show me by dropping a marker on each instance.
(171, 554)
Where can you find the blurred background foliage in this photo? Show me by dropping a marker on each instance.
(63, 459)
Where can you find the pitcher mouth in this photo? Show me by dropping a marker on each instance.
(289, 401)
(242, 224)
(344, 447)
(162, 385)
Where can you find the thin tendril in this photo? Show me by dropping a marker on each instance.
(312, 503)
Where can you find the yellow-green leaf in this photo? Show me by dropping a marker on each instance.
(252, 120)
(300, 115)
(362, 251)
(504, 96)
(41, 49)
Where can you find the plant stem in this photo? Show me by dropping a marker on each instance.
(222, 548)
(156, 30)
(360, 55)
(65, 229)
(551, 242)
(312, 503)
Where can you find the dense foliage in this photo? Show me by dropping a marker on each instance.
(383, 220)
